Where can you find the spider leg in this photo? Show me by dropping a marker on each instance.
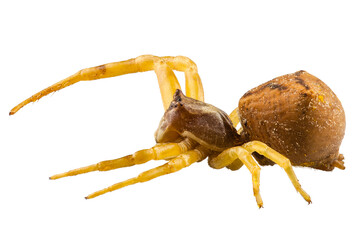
(235, 165)
(235, 117)
(162, 66)
(193, 85)
(282, 161)
(158, 152)
(174, 165)
(229, 156)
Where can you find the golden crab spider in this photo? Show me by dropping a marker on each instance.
(291, 120)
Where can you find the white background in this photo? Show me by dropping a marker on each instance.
(237, 45)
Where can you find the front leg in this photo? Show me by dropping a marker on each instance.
(162, 151)
(174, 165)
(163, 67)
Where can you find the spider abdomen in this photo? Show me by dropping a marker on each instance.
(299, 116)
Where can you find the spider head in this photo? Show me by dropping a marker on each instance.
(167, 131)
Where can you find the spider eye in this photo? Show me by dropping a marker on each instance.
(173, 105)
(178, 95)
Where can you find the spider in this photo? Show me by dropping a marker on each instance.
(292, 120)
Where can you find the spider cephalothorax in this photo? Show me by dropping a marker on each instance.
(203, 123)
(293, 119)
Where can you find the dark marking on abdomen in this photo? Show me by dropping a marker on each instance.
(270, 85)
(274, 86)
(302, 82)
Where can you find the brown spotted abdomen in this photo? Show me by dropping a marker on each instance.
(299, 116)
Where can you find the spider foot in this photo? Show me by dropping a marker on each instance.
(339, 163)
(101, 166)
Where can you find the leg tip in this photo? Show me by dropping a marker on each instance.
(259, 202)
(92, 195)
(53, 177)
(339, 163)
(57, 176)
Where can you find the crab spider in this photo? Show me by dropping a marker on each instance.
(192, 130)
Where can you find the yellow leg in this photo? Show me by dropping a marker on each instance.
(175, 164)
(162, 66)
(235, 165)
(228, 157)
(194, 88)
(168, 82)
(234, 117)
(282, 161)
(158, 152)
